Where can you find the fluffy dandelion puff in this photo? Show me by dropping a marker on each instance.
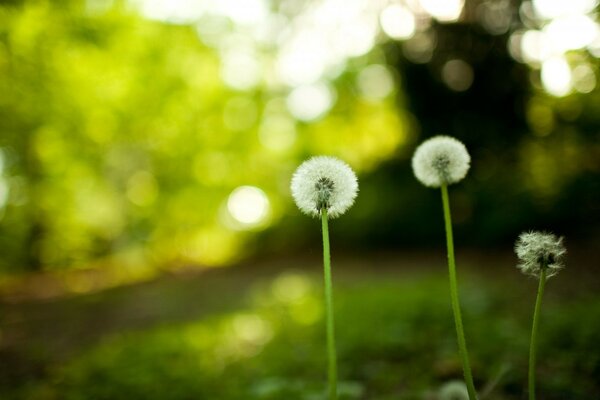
(440, 160)
(540, 250)
(324, 183)
(453, 390)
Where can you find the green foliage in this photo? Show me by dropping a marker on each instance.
(83, 118)
(121, 144)
(395, 341)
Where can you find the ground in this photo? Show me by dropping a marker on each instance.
(255, 331)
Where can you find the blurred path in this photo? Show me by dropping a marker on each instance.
(38, 333)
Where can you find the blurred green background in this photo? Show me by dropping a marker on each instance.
(149, 141)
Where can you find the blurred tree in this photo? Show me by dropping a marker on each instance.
(141, 134)
(120, 138)
(534, 147)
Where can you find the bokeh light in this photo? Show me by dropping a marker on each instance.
(444, 10)
(556, 76)
(311, 102)
(571, 32)
(584, 78)
(249, 206)
(241, 69)
(555, 29)
(398, 22)
(549, 9)
(458, 75)
(375, 82)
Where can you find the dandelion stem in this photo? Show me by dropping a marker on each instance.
(462, 344)
(331, 356)
(534, 329)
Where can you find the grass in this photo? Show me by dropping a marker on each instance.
(395, 339)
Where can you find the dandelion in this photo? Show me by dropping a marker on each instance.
(453, 390)
(439, 162)
(540, 255)
(539, 251)
(324, 183)
(325, 187)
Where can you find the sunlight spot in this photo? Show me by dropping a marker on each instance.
(375, 82)
(549, 9)
(246, 12)
(443, 10)
(419, 48)
(397, 22)
(584, 79)
(248, 205)
(514, 46)
(571, 32)
(495, 17)
(270, 31)
(356, 39)
(252, 328)
(290, 288)
(98, 6)
(308, 103)
(457, 75)
(535, 46)
(304, 59)
(556, 76)
(241, 69)
(211, 29)
(173, 11)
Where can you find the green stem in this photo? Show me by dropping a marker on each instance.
(331, 356)
(534, 329)
(462, 344)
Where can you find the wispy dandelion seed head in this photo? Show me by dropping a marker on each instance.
(440, 160)
(540, 250)
(324, 182)
(453, 390)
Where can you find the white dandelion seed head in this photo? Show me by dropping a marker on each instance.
(540, 250)
(324, 183)
(453, 390)
(440, 160)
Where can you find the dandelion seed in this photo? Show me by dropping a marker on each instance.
(440, 160)
(538, 251)
(324, 183)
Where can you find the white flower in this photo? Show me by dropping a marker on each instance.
(540, 250)
(440, 160)
(324, 183)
